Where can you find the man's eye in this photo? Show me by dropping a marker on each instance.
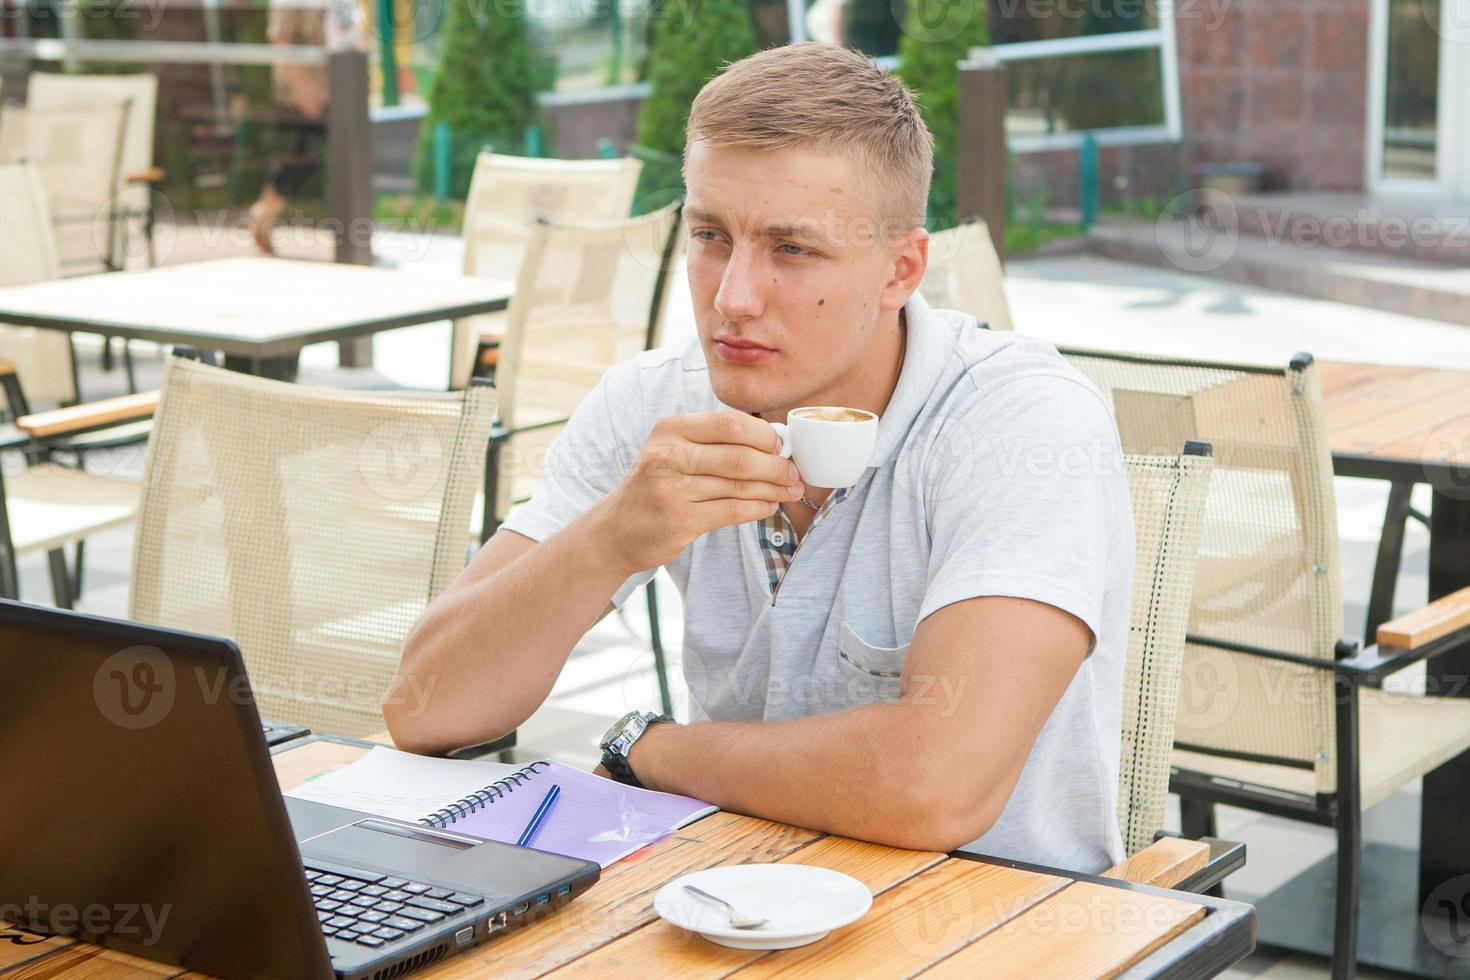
(705, 234)
(789, 249)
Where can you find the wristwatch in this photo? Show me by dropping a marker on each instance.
(619, 741)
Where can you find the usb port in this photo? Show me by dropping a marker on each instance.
(520, 909)
(563, 890)
(542, 899)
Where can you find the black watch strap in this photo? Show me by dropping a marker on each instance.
(617, 767)
(616, 763)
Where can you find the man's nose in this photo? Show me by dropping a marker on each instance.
(739, 296)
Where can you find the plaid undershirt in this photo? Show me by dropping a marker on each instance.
(778, 537)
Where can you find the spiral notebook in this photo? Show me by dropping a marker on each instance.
(595, 819)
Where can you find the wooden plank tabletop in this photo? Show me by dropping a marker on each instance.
(932, 912)
(1418, 415)
(253, 306)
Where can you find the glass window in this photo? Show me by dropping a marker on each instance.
(1411, 93)
(588, 44)
(1068, 93)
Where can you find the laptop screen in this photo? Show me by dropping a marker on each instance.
(141, 808)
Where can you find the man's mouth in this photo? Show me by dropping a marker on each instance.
(741, 350)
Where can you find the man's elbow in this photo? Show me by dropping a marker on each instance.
(406, 719)
(941, 817)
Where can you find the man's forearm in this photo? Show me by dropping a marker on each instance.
(869, 772)
(487, 652)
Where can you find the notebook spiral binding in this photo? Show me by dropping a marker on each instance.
(463, 808)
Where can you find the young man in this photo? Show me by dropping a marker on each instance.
(931, 656)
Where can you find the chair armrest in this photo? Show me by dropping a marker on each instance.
(1440, 618)
(92, 415)
(1164, 863)
(498, 433)
(504, 743)
(153, 175)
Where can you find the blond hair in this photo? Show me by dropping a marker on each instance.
(831, 99)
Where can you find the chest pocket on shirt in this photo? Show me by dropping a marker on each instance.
(872, 671)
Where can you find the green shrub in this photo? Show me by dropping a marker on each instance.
(485, 89)
(685, 52)
(938, 35)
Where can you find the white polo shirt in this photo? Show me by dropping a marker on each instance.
(997, 471)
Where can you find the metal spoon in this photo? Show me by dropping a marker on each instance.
(737, 921)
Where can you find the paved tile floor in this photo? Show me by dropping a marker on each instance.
(1075, 299)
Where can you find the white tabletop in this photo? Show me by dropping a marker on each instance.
(257, 307)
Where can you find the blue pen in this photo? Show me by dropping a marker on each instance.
(539, 816)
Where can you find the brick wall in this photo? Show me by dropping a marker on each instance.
(1280, 82)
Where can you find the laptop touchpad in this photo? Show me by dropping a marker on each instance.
(378, 844)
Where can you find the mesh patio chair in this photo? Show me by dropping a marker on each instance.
(138, 176)
(1168, 495)
(1276, 713)
(312, 525)
(48, 498)
(964, 274)
(508, 195)
(77, 152)
(41, 359)
(589, 296)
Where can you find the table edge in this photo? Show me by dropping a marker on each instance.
(1226, 934)
(276, 346)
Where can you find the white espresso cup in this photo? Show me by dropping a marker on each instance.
(831, 446)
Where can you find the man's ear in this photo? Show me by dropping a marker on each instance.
(909, 256)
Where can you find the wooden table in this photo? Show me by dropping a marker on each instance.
(948, 916)
(259, 311)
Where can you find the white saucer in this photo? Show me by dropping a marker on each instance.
(801, 902)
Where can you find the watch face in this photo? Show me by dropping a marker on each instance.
(617, 729)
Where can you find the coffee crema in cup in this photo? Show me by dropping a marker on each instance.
(834, 414)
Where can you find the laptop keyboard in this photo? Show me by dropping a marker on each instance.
(373, 910)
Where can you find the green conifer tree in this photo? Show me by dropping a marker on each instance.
(485, 88)
(691, 43)
(938, 34)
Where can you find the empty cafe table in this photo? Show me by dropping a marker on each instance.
(259, 312)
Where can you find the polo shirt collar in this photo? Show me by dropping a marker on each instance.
(929, 343)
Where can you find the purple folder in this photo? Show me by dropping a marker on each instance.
(595, 819)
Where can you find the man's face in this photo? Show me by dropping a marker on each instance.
(791, 276)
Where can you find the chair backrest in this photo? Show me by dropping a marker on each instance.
(42, 358)
(1268, 573)
(48, 89)
(77, 151)
(964, 274)
(311, 525)
(589, 296)
(1168, 495)
(507, 196)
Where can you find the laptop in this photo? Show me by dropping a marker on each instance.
(142, 812)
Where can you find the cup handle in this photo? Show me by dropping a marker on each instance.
(784, 435)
